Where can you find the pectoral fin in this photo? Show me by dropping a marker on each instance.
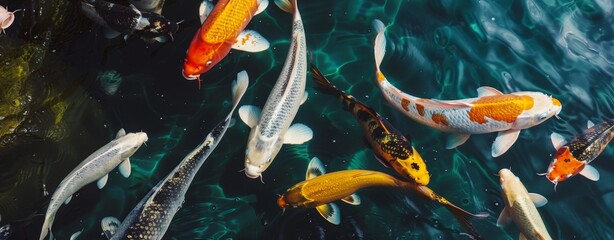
(262, 5)
(538, 199)
(251, 41)
(68, 200)
(250, 115)
(305, 96)
(455, 140)
(109, 226)
(125, 168)
(330, 212)
(352, 199)
(110, 33)
(120, 133)
(590, 172)
(557, 140)
(382, 161)
(504, 141)
(297, 134)
(589, 124)
(504, 217)
(488, 91)
(315, 168)
(102, 181)
(204, 10)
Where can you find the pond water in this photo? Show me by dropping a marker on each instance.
(436, 49)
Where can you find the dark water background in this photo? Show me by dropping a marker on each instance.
(436, 49)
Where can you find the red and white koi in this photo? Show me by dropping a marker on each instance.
(491, 111)
(574, 156)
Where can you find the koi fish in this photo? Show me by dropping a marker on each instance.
(320, 189)
(119, 19)
(95, 167)
(222, 30)
(271, 126)
(574, 156)
(152, 216)
(520, 206)
(7, 18)
(491, 111)
(391, 148)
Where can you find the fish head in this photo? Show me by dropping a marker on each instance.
(131, 143)
(293, 197)
(543, 108)
(197, 64)
(563, 166)
(259, 155)
(413, 168)
(510, 184)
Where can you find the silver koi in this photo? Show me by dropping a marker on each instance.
(271, 126)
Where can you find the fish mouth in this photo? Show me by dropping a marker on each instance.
(250, 175)
(189, 77)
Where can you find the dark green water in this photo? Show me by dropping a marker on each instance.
(436, 49)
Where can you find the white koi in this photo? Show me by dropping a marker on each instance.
(95, 167)
(491, 111)
(271, 126)
(520, 206)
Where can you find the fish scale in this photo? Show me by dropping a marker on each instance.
(153, 214)
(389, 145)
(282, 104)
(589, 145)
(227, 25)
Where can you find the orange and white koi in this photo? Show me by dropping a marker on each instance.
(491, 111)
(390, 147)
(320, 189)
(574, 156)
(222, 30)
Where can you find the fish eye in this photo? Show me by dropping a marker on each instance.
(208, 63)
(269, 160)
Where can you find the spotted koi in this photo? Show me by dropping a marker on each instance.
(391, 148)
(574, 156)
(491, 111)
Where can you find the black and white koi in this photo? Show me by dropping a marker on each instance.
(129, 20)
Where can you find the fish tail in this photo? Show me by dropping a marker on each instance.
(379, 49)
(47, 227)
(323, 84)
(463, 217)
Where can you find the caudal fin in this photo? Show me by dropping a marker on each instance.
(323, 84)
(379, 46)
(47, 227)
(463, 217)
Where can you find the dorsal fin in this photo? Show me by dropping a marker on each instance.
(488, 91)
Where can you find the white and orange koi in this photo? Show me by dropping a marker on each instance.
(491, 111)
